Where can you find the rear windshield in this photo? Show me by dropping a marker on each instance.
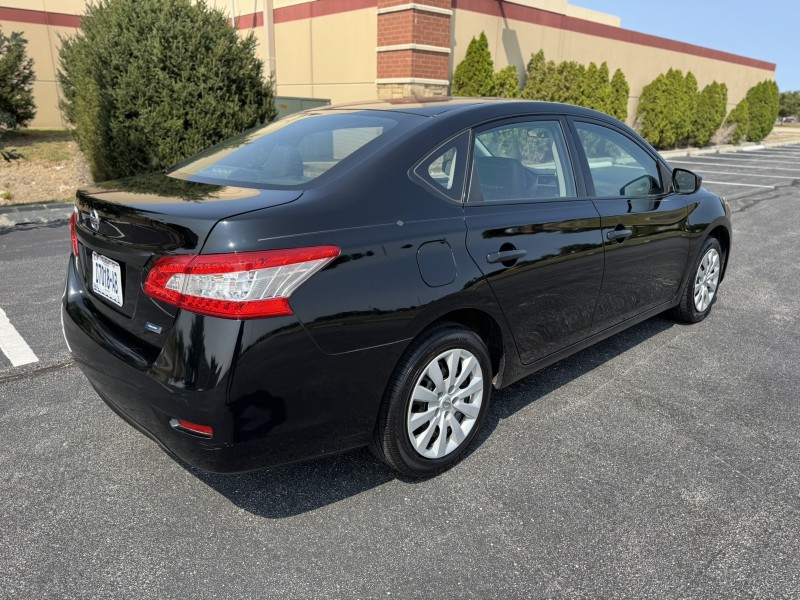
(290, 152)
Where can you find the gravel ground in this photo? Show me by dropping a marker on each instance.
(52, 169)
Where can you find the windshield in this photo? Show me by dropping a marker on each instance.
(290, 152)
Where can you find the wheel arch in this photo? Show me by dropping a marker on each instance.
(721, 233)
(487, 328)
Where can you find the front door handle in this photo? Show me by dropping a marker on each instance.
(618, 234)
(505, 256)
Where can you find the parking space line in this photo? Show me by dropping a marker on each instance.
(748, 174)
(13, 344)
(701, 164)
(769, 187)
(749, 158)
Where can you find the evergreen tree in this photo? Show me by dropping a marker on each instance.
(655, 113)
(17, 108)
(539, 73)
(763, 102)
(789, 104)
(506, 82)
(147, 83)
(596, 92)
(711, 105)
(619, 96)
(474, 76)
(740, 117)
(687, 120)
(568, 83)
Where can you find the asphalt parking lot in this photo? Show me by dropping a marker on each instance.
(661, 463)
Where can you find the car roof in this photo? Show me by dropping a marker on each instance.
(440, 105)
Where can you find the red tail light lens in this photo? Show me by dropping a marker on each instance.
(204, 430)
(236, 286)
(73, 219)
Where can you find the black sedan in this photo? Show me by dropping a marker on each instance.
(367, 274)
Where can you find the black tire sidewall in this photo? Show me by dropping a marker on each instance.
(448, 339)
(694, 314)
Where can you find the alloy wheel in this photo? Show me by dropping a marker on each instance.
(445, 403)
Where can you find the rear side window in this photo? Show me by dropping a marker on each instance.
(521, 161)
(618, 165)
(442, 171)
(290, 152)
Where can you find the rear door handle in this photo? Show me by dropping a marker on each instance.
(505, 255)
(619, 234)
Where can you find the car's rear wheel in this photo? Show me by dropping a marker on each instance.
(435, 402)
(702, 285)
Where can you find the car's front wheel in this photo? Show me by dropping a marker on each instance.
(435, 402)
(702, 284)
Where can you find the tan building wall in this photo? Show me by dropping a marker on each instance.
(329, 48)
(513, 38)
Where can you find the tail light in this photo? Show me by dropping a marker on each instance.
(247, 285)
(73, 219)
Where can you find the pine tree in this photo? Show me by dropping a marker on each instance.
(687, 120)
(17, 108)
(474, 76)
(537, 78)
(655, 113)
(147, 83)
(619, 96)
(740, 116)
(506, 82)
(763, 102)
(711, 105)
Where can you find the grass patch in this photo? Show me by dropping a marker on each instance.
(41, 145)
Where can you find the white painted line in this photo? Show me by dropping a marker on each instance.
(769, 187)
(699, 165)
(13, 345)
(752, 148)
(746, 159)
(701, 171)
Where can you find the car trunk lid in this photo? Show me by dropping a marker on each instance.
(123, 226)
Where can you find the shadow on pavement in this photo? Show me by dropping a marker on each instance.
(291, 490)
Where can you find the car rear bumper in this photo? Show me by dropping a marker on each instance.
(288, 401)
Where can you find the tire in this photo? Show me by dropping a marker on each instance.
(444, 372)
(702, 284)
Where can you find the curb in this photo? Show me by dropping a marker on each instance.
(725, 149)
(11, 216)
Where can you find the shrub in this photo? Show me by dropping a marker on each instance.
(538, 72)
(16, 82)
(474, 76)
(667, 109)
(763, 103)
(620, 90)
(655, 113)
(596, 91)
(148, 82)
(711, 106)
(740, 117)
(506, 82)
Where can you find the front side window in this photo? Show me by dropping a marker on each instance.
(291, 152)
(619, 166)
(521, 161)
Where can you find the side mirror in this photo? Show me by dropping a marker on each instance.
(641, 186)
(685, 182)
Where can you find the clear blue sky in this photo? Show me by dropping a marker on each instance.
(767, 29)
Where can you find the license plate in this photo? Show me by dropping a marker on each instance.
(106, 278)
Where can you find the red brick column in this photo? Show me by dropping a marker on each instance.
(414, 48)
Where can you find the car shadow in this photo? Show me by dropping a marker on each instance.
(290, 490)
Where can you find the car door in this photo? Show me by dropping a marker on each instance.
(533, 233)
(644, 225)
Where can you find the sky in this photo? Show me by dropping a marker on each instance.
(766, 30)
